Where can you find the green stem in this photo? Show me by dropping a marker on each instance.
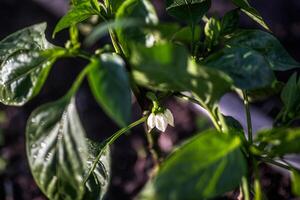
(211, 115)
(109, 141)
(152, 150)
(245, 188)
(248, 116)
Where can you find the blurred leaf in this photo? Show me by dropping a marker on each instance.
(3, 165)
(267, 45)
(142, 10)
(190, 11)
(279, 142)
(295, 178)
(251, 12)
(59, 155)
(185, 35)
(103, 28)
(199, 169)
(265, 92)
(230, 22)
(23, 67)
(76, 14)
(167, 67)
(110, 85)
(249, 69)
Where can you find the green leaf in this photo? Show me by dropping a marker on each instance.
(290, 97)
(249, 69)
(23, 68)
(76, 14)
(199, 169)
(166, 67)
(229, 22)
(212, 32)
(110, 85)
(59, 155)
(279, 142)
(141, 10)
(267, 45)
(190, 11)
(257, 190)
(295, 177)
(251, 12)
(185, 35)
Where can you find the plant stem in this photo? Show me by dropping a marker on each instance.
(109, 141)
(152, 150)
(248, 116)
(245, 188)
(211, 115)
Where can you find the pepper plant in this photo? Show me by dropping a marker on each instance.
(197, 58)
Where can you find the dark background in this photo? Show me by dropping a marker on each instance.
(130, 158)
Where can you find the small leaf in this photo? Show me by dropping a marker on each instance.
(295, 177)
(190, 11)
(229, 22)
(185, 35)
(113, 4)
(23, 67)
(141, 10)
(251, 12)
(110, 85)
(59, 154)
(199, 169)
(279, 142)
(76, 14)
(166, 67)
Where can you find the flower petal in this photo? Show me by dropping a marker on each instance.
(161, 122)
(169, 116)
(151, 121)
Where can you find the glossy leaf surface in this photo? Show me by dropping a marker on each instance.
(110, 85)
(199, 169)
(60, 156)
(190, 11)
(23, 68)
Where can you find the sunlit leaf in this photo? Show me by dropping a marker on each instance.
(199, 169)
(24, 68)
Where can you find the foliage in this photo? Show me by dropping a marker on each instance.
(152, 60)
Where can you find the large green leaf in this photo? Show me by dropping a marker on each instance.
(190, 11)
(267, 45)
(76, 14)
(249, 69)
(141, 10)
(60, 156)
(167, 67)
(110, 85)
(249, 57)
(23, 68)
(250, 11)
(279, 142)
(206, 166)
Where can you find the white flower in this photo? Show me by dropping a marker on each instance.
(160, 120)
